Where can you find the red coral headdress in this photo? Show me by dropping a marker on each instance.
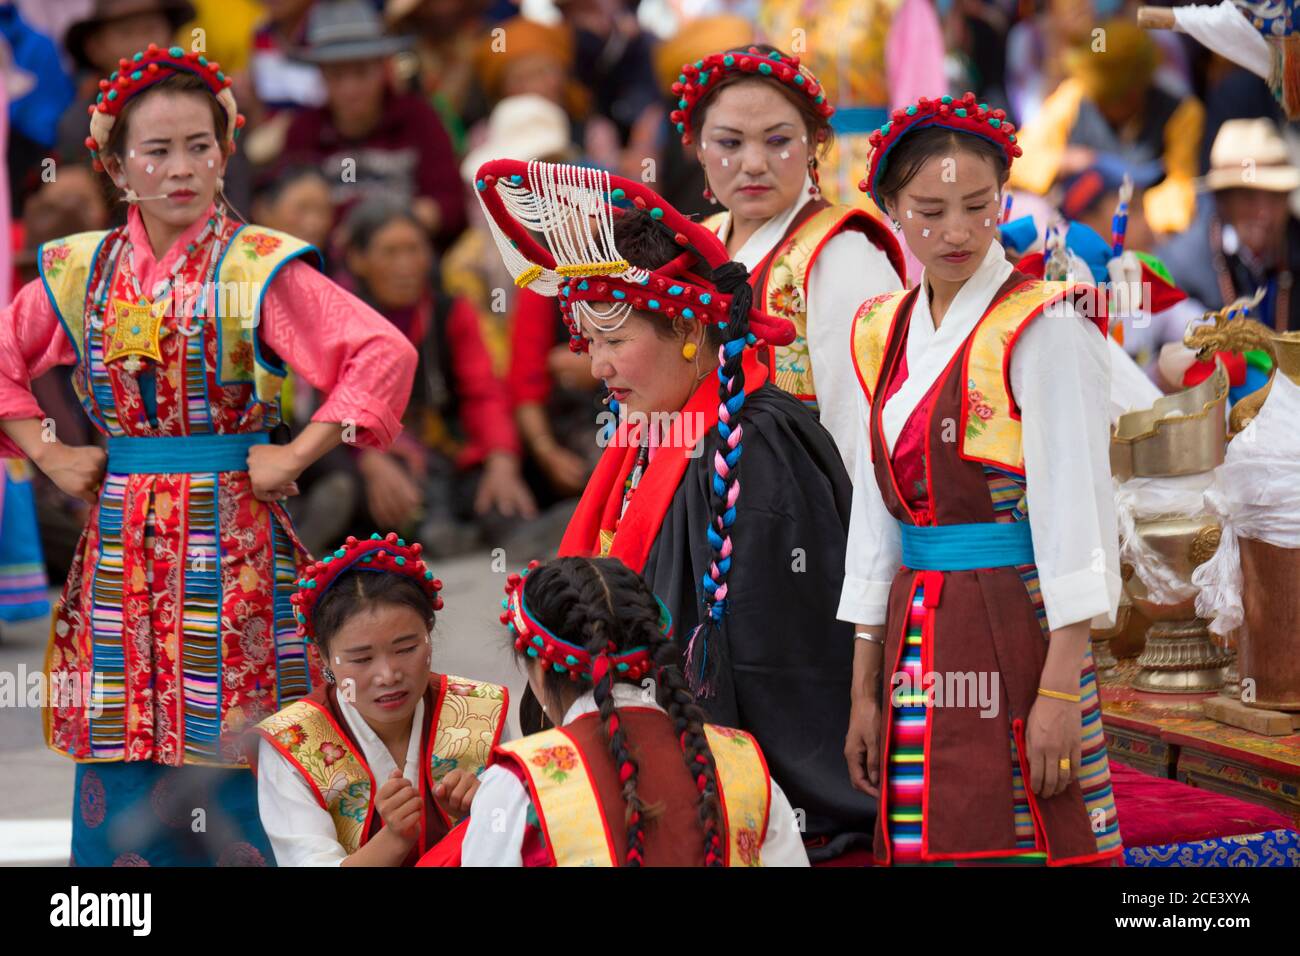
(536, 640)
(965, 115)
(140, 72)
(695, 79)
(574, 209)
(385, 554)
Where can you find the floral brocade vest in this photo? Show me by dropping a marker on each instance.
(958, 461)
(576, 793)
(174, 632)
(463, 721)
(780, 282)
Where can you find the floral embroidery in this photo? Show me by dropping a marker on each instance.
(355, 801)
(785, 300)
(241, 355)
(259, 244)
(53, 259)
(556, 762)
(731, 733)
(292, 737)
(332, 752)
(981, 412)
(748, 844)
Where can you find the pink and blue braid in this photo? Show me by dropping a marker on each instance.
(733, 279)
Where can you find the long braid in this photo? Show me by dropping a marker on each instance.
(602, 626)
(732, 279)
(640, 614)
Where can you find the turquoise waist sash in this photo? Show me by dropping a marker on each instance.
(965, 547)
(181, 455)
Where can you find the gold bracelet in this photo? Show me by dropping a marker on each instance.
(1058, 695)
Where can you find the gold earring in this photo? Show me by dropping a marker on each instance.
(689, 350)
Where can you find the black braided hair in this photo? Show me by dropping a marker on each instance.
(598, 602)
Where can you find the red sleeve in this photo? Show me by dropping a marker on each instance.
(437, 172)
(484, 404)
(532, 335)
(32, 341)
(355, 357)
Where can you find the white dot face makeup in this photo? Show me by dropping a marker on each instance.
(149, 169)
(211, 163)
(785, 154)
(925, 233)
(725, 162)
(132, 154)
(987, 223)
(909, 214)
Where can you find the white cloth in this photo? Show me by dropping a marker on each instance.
(1227, 31)
(849, 270)
(495, 836)
(301, 831)
(1060, 379)
(1256, 494)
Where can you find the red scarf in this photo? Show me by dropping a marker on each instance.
(603, 498)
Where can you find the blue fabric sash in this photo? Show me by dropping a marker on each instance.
(965, 547)
(185, 454)
(853, 120)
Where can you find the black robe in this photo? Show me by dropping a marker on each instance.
(786, 662)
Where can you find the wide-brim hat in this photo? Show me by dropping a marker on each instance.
(521, 127)
(177, 12)
(1250, 154)
(342, 30)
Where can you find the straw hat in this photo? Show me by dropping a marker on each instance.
(521, 127)
(1250, 154)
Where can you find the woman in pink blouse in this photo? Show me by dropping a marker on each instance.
(174, 633)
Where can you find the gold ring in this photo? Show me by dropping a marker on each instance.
(1064, 764)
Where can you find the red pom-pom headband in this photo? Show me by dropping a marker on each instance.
(536, 640)
(575, 208)
(699, 77)
(965, 115)
(142, 71)
(386, 554)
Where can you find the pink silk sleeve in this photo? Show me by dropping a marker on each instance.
(349, 352)
(914, 55)
(32, 341)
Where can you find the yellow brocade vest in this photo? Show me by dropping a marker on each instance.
(468, 718)
(991, 434)
(251, 260)
(784, 274)
(568, 806)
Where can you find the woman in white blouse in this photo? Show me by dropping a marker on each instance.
(380, 762)
(760, 121)
(630, 775)
(982, 540)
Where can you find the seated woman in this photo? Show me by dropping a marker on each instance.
(751, 576)
(375, 766)
(453, 477)
(628, 777)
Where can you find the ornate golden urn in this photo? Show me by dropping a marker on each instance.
(1183, 434)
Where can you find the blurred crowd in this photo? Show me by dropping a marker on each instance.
(367, 121)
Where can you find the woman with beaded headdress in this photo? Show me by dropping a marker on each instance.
(174, 632)
(378, 763)
(630, 775)
(746, 553)
(983, 537)
(761, 123)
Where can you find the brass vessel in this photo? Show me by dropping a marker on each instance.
(1181, 434)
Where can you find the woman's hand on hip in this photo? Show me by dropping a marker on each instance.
(273, 471)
